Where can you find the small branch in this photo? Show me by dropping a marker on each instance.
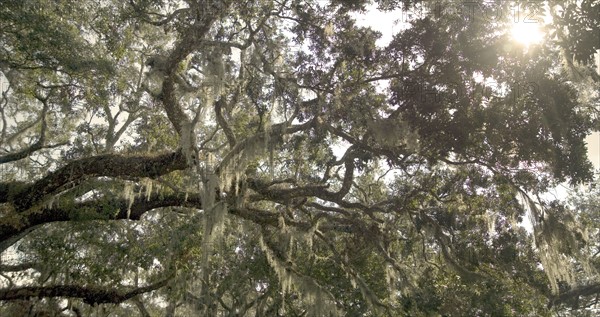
(275, 134)
(223, 123)
(366, 291)
(188, 43)
(140, 305)
(444, 243)
(11, 157)
(39, 144)
(11, 138)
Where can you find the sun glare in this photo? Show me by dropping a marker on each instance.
(527, 33)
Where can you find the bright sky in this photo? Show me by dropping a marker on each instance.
(593, 143)
(527, 33)
(387, 23)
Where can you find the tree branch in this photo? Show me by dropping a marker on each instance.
(189, 41)
(39, 144)
(90, 295)
(11, 157)
(19, 267)
(223, 123)
(142, 308)
(444, 243)
(101, 165)
(586, 290)
(102, 209)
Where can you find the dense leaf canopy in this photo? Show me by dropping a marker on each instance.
(279, 158)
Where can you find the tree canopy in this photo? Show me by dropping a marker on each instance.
(275, 158)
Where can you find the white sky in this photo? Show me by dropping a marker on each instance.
(593, 143)
(387, 23)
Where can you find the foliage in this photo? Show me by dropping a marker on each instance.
(274, 158)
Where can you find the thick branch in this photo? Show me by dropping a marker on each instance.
(14, 238)
(103, 165)
(104, 209)
(19, 267)
(90, 295)
(109, 208)
(114, 209)
(575, 293)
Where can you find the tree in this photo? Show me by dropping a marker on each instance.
(262, 158)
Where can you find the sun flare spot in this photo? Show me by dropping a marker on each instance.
(527, 33)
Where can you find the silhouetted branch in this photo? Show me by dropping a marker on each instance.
(111, 165)
(574, 294)
(90, 295)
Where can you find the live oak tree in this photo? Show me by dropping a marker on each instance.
(263, 158)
